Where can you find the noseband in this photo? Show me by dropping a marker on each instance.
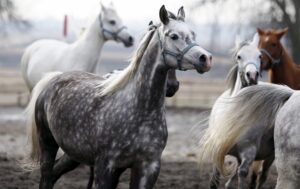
(178, 55)
(273, 60)
(115, 35)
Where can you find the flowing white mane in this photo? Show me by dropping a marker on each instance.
(118, 81)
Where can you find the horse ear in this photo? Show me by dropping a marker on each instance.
(103, 7)
(260, 31)
(255, 40)
(281, 32)
(163, 15)
(181, 14)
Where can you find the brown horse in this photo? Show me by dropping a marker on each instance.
(282, 69)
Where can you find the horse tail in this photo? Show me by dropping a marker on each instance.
(30, 115)
(255, 105)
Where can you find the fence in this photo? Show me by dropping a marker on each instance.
(194, 92)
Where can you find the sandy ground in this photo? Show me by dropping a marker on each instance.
(179, 166)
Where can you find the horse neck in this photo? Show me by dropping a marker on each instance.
(283, 72)
(237, 86)
(91, 43)
(148, 84)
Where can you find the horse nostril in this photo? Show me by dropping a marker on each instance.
(248, 74)
(130, 39)
(202, 58)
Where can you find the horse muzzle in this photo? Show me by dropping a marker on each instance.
(204, 64)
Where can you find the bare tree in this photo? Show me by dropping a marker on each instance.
(271, 13)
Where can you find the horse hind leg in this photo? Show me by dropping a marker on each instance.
(63, 165)
(48, 149)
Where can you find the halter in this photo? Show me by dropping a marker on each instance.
(178, 55)
(273, 60)
(115, 35)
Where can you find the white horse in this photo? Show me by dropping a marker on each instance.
(51, 55)
(269, 106)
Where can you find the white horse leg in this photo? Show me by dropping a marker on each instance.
(247, 157)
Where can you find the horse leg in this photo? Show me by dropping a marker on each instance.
(265, 169)
(231, 183)
(215, 179)
(106, 176)
(144, 175)
(247, 157)
(91, 179)
(256, 170)
(63, 165)
(48, 148)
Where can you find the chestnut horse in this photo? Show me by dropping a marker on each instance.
(282, 69)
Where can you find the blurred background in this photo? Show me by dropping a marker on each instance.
(217, 24)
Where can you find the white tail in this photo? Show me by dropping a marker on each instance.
(30, 115)
(255, 105)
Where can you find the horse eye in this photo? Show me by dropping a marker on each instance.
(239, 57)
(274, 44)
(112, 22)
(260, 57)
(174, 36)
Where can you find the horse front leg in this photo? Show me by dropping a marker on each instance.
(106, 176)
(247, 157)
(265, 169)
(144, 175)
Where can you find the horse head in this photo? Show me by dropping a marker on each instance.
(179, 48)
(111, 26)
(270, 46)
(248, 59)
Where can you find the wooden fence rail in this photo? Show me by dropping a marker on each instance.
(193, 92)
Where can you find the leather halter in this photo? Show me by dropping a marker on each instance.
(178, 55)
(273, 60)
(115, 35)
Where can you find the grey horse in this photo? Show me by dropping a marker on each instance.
(117, 123)
(262, 107)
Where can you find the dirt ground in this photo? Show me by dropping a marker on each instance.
(179, 167)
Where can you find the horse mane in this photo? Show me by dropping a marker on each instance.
(118, 81)
(232, 75)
